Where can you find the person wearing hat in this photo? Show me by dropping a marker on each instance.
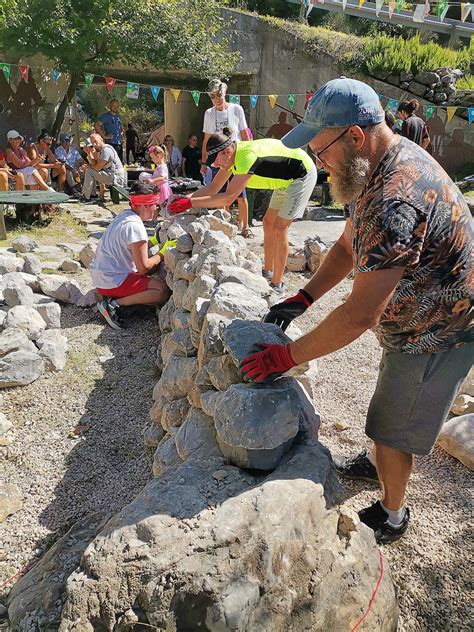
(18, 161)
(259, 164)
(230, 116)
(41, 150)
(409, 242)
(69, 156)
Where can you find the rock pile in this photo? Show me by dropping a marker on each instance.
(30, 314)
(310, 256)
(237, 530)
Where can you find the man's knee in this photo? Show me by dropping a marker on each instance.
(281, 226)
(162, 290)
(269, 220)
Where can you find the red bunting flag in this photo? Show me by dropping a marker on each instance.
(24, 70)
(109, 83)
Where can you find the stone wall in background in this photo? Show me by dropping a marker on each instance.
(239, 528)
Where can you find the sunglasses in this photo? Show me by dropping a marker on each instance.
(215, 95)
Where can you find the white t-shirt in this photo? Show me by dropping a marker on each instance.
(233, 116)
(113, 260)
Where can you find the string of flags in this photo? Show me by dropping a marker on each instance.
(420, 11)
(133, 92)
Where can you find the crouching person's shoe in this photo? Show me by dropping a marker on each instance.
(357, 467)
(376, 518)
(112, 313)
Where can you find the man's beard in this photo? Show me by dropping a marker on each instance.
(351, 177)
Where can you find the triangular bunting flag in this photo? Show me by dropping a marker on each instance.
(427, 9)
(429, 111)
(308, 96)
(465, 10)
(133, 90)
(253, 100)
(391, 7)
(378, 6)
(273, 99)
(6, 71)
(291, 101)
(234, 98)
(443, 13)
(24, 70)
(55, 74)
(344, 2)
(419, 13)
(109, 83)
(88, 78)
(399, 5)
(155, 91)
(443, 6)
(392, 104)
(361, 3)
(470, 114)
(451, 111)
(175, 92)
(196, 96)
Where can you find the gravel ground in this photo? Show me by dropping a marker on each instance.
(64, 478)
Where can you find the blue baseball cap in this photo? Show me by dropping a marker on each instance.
(339, 103)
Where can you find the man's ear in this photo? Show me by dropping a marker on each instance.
(357, 136)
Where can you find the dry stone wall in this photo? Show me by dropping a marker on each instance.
(238, 529)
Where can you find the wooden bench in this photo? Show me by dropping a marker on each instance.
(116, 191)
(27, 205)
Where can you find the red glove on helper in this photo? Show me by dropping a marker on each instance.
(179, 205)
(268, 364)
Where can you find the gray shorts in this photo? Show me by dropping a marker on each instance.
(291, 202)
(413, 397)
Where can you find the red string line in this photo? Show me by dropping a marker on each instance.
(373, 596)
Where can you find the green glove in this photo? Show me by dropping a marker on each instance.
(153, 240)
(171, 243)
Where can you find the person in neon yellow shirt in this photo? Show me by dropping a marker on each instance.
(258, 164)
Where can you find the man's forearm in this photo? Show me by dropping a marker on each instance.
(335, 267)
(341, 327)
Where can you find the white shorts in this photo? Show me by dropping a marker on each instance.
(291, 202)
(27, 173)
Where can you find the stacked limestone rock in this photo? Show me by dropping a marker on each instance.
(310, 256)
(30, 341)
(234, 532)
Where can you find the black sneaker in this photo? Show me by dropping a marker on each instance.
(358, 467)
(376, 518)
(112, 314)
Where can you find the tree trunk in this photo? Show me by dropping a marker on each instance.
(73, 83)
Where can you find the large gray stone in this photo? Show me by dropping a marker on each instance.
(177, 378)
(86, 255)
(26, 319)
(55, 285)
(186, 269)
(52, 348)
(179, 343)
(245, 554)
(50, 313)
(211, 344)
(427, 78)
(254, 282)
(174, 413)
(241, 337)
(209, 258)
(11, 500)
(32, 264)
(179, 290)
(153, 435)
(172, 256)
(198, 229)
(21, 278)
(457, 438)
(18, 294)
(197, 437)
(234, 300)
(198, 313)
(255, 424)
(202, 288)
(184, 243)
(215, 223)
(9, 263)
(166, 455)
(12, 339)
(23, 243)
(20, 367)
(164, 317)
(70, 265)
(223, 372)
(213, 238)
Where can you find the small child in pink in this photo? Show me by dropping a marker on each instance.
(159, 177)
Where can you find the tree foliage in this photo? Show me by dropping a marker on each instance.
(81, 35)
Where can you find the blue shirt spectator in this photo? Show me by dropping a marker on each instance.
(109, 125)
(66, 153)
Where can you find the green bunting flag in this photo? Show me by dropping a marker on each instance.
(6, 71)
(133, 90)
(429, 111)
(253, 100)
(291, 101)
(234, 98)
(196, 96)
(442, 5)
(399, 5)
(88, 78)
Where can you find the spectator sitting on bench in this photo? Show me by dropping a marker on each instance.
(41, 150)
(121, 267)
(18, 160)
(7, 174)
(73, 162)
(105, 167)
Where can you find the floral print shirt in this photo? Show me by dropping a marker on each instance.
(412, 215)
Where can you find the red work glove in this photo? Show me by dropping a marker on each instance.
(179, 205)
(283, 313)
(268, 364)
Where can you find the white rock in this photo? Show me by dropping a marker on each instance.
(463, 405)
(10, 264)
(26, 319)
(457, 438)
(235, 274)
(50, 313)
(215, 223)
(55, 285)
(234, 300)
(69, 265)
(296, 260)
(32, 264)
(216, 238)
(18, 294)
(20, 367)
(87, 254)
(52, 348)
(24, 244)
(11, 500)
(467, 386)
(11, 340)
(5, 425)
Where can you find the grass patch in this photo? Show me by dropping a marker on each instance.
(61, 227)
(82, 368)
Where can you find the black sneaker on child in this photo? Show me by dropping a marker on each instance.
(376, 518)
(111, 313)
(358, 467)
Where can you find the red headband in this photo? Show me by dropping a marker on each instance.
(144, 199)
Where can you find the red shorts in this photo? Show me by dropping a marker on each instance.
(133, 284)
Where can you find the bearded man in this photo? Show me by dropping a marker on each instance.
(409, 241)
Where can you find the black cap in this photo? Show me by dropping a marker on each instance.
(45, 135)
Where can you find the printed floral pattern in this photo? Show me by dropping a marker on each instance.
(412, 215)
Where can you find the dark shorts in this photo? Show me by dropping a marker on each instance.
(133, 284)
(242, 194)
(413, 397)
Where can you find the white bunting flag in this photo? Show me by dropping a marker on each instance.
(419, 13)
(378, 6)
(465, 10)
